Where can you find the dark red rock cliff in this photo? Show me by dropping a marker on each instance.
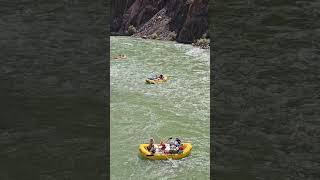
(187, 18)
(196, 23)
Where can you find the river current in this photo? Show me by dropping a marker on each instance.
(178, 108)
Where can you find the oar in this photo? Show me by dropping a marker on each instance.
(171, 161)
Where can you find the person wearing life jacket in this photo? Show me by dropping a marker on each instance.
(162, 146)
(161, 77)
(179, 145)
(177, 142)
(151, 147)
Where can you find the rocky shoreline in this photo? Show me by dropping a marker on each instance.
(184, 21)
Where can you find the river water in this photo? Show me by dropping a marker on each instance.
(178, 108)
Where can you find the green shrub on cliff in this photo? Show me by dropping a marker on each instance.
(203, 43)
(131, 30)
(172, 36)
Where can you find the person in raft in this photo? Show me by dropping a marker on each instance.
(172, 147)
(175, 146)
(162, 146)
(120, 56)
(151, 147)
(161, 76)
(177, 142)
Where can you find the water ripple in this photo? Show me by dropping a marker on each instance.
(179, 107)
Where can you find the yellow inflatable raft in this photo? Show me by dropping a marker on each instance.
(120, 57)
(156, 81)
(187, 147)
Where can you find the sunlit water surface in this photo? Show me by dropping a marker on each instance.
(178, 108)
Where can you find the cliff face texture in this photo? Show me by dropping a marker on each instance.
(196, 22)
(117, 11)
(186, 18)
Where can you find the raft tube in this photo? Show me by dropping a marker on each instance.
(187, 147)
(156, 81)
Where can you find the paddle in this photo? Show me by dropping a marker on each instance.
(169, 159)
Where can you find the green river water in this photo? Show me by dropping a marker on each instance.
(178, 108)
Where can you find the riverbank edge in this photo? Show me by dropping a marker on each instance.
(195, 44)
